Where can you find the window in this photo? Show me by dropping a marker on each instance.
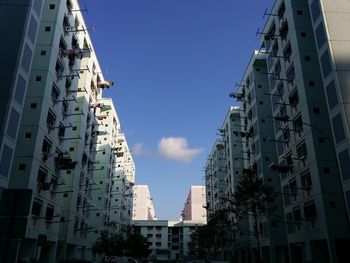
(297, 219)
(61, 131)
(316, 110)
(22, 166)
(326, 64)
(46, 149)
(310, 212)
(347, 193)
(65, 108)
(42, 52)
(281, 10)
(338, 128)
(59, 69)
(36, 208)
(32, 28)
(284, 29)
(47, 29)
(26, 58)
(20, 89)
(287, 52)
(41, 178)
(307, 58)
(51, 119)
(55, 93)
(298, 125)
(315, 9)
(69, 5)
(302, 151)
(5, 160)
(299, 12)
(38, 78)
(27, 135)
(311, 83)
(33, 105)
(306, 183)
(344, 161)
(293, 189)
(320, 35)
(303, 34)
(290, 74)
(294, 100)
(13, 124)
(37, 6)
(331, 95)
(49, 213)
(52, 6)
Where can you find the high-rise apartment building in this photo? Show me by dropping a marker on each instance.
(124, 182)
(295, 133)
(143, 208)
(215, 175)
(72, 172)
(194, 208)
(103, 208)
(19, 26)
(225, 163)
(315, 214)
(330, 20)
(259, 152)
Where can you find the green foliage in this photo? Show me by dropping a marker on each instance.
(217, 235)
(255, 199)
(121, 243)
(252, 195)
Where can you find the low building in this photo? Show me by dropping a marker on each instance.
(168, 240)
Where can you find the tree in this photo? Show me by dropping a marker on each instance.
(124, 242)
(217, 236)
(110, 243)
(136, 245)
(255, 199)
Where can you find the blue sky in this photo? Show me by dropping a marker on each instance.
(174, 63)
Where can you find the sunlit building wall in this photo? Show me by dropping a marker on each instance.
(330, 22)
(52, 177)
(194, 208)
(168, 240)
(315, 213)
(20, 29)
(143, 208)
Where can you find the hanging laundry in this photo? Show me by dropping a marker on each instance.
(101, 117)
(105, 84)
(106, 108)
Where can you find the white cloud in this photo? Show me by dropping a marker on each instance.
(176, 148)
(137, 149)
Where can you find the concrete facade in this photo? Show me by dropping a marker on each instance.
(295, 133)
(330, 24)
(20, 27)
(74, 175)
(168, 240)
(143, 208)
(315, 213)
(194, 208)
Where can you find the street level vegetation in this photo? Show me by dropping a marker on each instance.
(234, 227)
(125, 242)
